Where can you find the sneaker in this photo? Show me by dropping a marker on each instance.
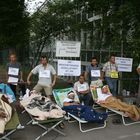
(20, 97)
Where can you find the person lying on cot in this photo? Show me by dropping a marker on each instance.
(82, 111)
(106, 99)
(41, 107)
(5, 112)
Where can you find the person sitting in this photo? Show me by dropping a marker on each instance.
(5, 112)
(106, 99)
(82, 89)
(82, 111)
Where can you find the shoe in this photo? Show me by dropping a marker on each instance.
(62, 125)
(21, 97)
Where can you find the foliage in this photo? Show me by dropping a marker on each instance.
(14, 23)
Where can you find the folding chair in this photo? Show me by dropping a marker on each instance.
(47, 125)
(95, 91)
(60, 95)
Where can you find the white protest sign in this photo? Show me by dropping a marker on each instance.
(124, 64)
(95, 73)
(82, 87)
(13, 71)
(13, 80)
(69, 68)
(45, 73)
(68, 48)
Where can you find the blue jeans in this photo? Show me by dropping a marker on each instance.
(112, 83)
(85, 98)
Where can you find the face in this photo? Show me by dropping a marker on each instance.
(81, 79)
(94, 62)
(71, 96)
(112, 59)
(43, 61)
(105, 90)
(13, 58)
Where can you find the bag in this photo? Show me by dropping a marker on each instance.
(114, 74)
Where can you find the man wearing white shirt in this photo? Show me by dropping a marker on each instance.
(82, 89)
(106, 99)
(45, 73)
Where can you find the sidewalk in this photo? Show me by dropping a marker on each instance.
(111, 132)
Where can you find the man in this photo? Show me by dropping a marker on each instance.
(106, 99)
(14, 72)
(82, 89)
(93, 73)
(82, 111)
(45, 72)
(110, 73)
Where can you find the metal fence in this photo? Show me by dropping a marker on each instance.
(128, 81)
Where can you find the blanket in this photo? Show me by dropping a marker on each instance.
(86, 113)
(5, 113)
(41, 107)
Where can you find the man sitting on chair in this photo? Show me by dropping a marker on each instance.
(82, 89)
(106, 99)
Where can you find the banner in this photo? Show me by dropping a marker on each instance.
(124, 64)
(69, 68)
(68, 48)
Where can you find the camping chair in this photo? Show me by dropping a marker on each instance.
(95, 91)
(47, 125)
(60, 95)
(12, 126)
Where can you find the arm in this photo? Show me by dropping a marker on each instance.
(54, 80)
(21, 76)
(68, 104)
(86, 75)
(28, 78)
(84, 92)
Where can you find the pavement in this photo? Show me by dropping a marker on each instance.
(111, 132)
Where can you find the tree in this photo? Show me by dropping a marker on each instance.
(14, 26)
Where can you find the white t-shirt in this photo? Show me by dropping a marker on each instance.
(44, 74)
(101, 96)
(81, 87)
